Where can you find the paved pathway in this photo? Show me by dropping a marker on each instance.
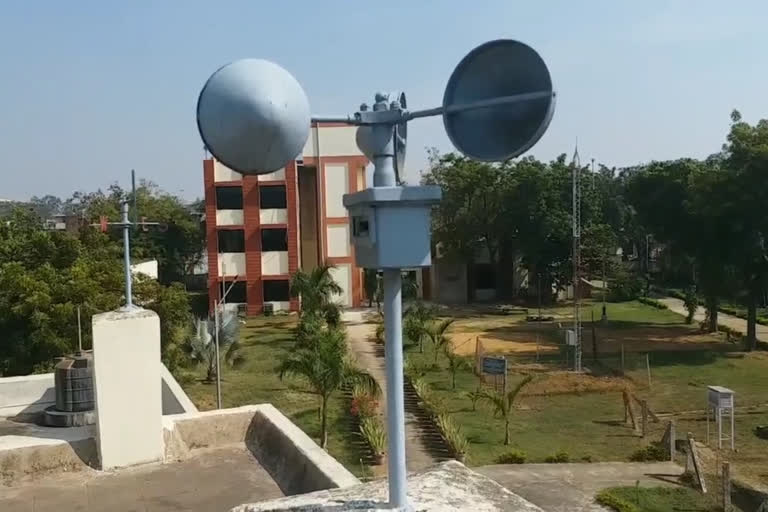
(368, 358)
(678, 306)
(572, 487)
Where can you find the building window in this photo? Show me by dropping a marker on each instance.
(231, 240)
(276, 291)
(229, 198)
(237, 292)
(274, 239)
(272, 197)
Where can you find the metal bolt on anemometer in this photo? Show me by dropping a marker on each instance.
(253, 117)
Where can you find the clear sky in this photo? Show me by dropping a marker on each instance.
(91, 89)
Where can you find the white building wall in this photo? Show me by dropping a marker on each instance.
(232, 262)
(273, 176)
(279, 305)
(342, 274)
(274, 263)
(273, 216)
(145, 268)
(334, 141)
(338, 240)
(336, 185)
(223, 173)
(229, 217)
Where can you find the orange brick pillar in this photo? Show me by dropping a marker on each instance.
(292, 202)
(211, 234)
(252, 228)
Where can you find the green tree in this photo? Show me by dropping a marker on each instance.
(326, 368)
(316, 290)
(45, 276)
(417, 319)
(691, 303)
(202, 344)
(745, 195)
(455, 363)
(178, 243)
(436, 332)
(503, 403)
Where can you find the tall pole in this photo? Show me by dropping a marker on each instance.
(127, 255)
(384, 176)
(395, 402)
(216, 341)
(576, 256)
(133, 191)
(79, 333)
(604, 317)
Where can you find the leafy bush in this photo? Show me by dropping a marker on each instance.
(652, 302)
(559, 457)
(608, 499)
(652, 452)
(372, 430)
(624, 287)
(364, 404)
(454, 438)
(512, 457)
(431, 403)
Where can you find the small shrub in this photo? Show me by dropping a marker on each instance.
(512, 457)
(616, 503)
(652, 302)
(558, 458)
(586, 458)
(691, 301)
(374, 434)
(363, 403)
(625, 286)
(652, 452)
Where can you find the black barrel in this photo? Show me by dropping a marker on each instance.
(74, 383)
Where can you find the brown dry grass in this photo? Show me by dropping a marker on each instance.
(560, 383)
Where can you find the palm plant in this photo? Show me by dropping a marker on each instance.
(202, 345)
(502, 403)
(436, 334)
(455, 363)
(417, 318)
(316, 290)
(326, 368)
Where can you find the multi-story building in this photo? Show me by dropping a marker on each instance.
(262, 229)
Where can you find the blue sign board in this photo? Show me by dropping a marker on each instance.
(495, 365)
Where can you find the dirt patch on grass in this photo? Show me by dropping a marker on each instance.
(506, 342)
(655, 338)
(560, 383)
(522, 339)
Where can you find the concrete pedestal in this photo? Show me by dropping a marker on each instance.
(126, 375)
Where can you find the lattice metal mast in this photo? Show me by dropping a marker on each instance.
(576, 181)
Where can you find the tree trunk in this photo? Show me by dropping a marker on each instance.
(752, 319)
(453, 379)
(324, 423)
(506, 432)
(712, 313)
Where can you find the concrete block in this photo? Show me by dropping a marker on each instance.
(126, 358)
(447, 487)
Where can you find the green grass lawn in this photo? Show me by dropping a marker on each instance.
(584, 426)
(588, 426)
(265, 342)
(658, 499)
